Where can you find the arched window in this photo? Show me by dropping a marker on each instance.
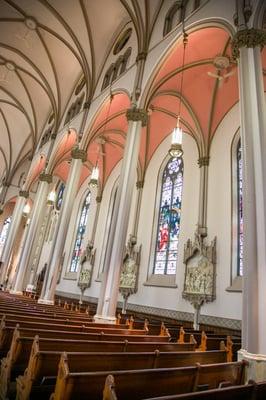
(171, 14)
(80, 233)
(239, 210)
(4, 233)
(59, 198)
(166, 252)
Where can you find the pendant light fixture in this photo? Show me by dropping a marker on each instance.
(176, 144)
(51, 198)
(26, 210)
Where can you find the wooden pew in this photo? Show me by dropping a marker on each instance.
(35, 324)
(6, 333)
(12, 319)
(251, 391)
(22, 347)
(140, 384)
(29, 321)
(43, 363)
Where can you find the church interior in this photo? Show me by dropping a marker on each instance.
(132, 187)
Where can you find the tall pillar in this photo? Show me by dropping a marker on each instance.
(203, 195)
(15, 223)
(109, 292)
(35, 221)
(247, 46)
(49, 287)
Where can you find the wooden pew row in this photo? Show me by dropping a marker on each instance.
(76, 328)
(42, 364)
(37, 314)
(42, 310)
(251, 391)
(141, 384)
(69, 322)
(6, 333)
(19, 302)
(212, 342)
(22, 347)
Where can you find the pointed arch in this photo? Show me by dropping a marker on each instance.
(81, 228)
(168, 226)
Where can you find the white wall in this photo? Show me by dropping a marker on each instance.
(170, 298)
(227, 304)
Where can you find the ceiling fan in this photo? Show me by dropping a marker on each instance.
(221, 63)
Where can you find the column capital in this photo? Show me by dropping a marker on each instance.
(53, 136)
(137, 114)
(45, 177)
(204, 161)
(79, 154)
(248, 38)
(86, 105)
(139, 184)
(23, 193)
(98, 199)
(141, 56)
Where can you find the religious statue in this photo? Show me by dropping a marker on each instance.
(200, 272)
(129, 270)
(86, 265)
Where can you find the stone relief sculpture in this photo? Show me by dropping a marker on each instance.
(129, 270)
(200, 273)
(86, 266)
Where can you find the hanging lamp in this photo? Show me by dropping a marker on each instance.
(177, 134)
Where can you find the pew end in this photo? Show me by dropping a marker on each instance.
(108, 391)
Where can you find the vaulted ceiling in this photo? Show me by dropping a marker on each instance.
(46, 46)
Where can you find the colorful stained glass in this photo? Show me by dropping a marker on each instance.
(166, 253)
(60, 194)
(4, 233)
(80, 233)
(239, 210)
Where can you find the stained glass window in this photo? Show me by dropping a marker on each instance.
(80, 233)
(60, 194)
(4, 233)
(169, 218)
(239, 211)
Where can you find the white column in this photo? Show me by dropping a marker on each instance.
(203, 195)
(49, 287)
(35, 220)
(15, 223)
(109, 293)
(253, 142)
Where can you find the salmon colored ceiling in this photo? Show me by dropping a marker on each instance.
(107, 136)
(64, 147)
(36, 170)
(205, 102)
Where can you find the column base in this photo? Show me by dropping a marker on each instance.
(256, 369)
(102, 319)
(47, 302)
(12, 291)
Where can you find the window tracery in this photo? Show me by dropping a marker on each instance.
(166, 253)
(80, 233)
(239, 210)
(4, 233)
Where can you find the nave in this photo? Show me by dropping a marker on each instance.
(132, 180)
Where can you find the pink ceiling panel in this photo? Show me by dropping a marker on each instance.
(202, 44)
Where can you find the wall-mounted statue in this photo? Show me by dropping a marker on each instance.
(129, 271)
(200, 273)
(86, 267)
